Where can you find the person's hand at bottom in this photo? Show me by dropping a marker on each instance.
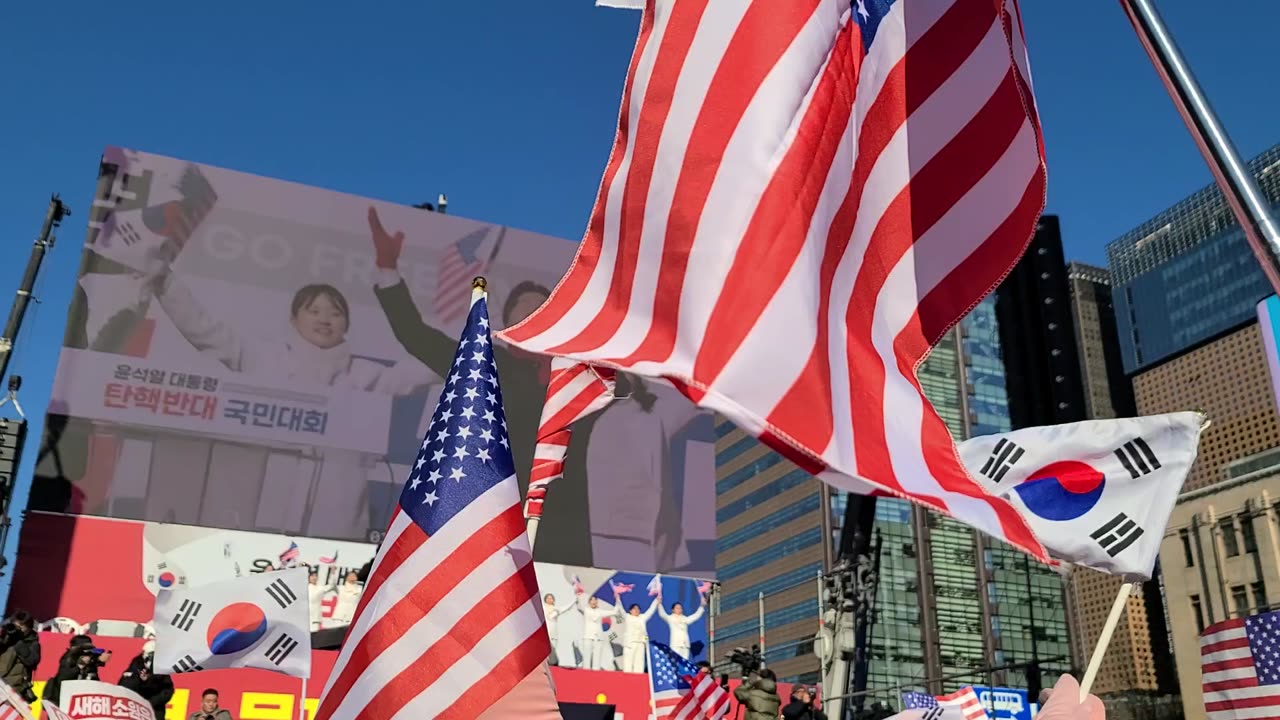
(1064, 703)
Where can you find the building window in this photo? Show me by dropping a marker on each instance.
(1260, 603)
(1188, 556)
(1227, 527)
(1246, 533)
(1240, 598)
(1198, 611)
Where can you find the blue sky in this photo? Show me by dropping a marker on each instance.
(510, 108)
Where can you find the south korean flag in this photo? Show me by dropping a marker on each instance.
(1096, 493)
(258, 621)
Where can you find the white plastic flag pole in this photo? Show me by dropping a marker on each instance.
(1095, 662)
(531, 527)
(302, 703)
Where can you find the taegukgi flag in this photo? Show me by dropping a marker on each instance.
(1096, 493)
(258, 621)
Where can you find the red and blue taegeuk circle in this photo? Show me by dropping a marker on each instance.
(236, 627)
(166, 579)
(1062, 491)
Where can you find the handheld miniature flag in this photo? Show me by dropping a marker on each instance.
(682, 690)
(1097, 493)
(450, 623)
(258, 621)
(960, 705)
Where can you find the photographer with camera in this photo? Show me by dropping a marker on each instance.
(19, 653)
(758, 693)
(801, 706)
(209, 709)
(81, 661)
(141, 678)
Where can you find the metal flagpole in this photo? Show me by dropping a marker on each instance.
(1237, 183)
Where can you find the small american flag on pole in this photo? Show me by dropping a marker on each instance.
(1239, 668)
(960, 705)
(802, 199)
(682, 690)
(450, 623)
(574, 392)
(460, 263)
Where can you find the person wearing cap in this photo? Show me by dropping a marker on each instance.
(80, 662)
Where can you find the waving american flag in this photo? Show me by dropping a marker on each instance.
(574, 392)
(802, 198)
(450, 622)
(681, 690)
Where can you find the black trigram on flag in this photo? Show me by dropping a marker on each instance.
(1136, 457)
(186, 616)
(1005, 455)
(1117, 534)
(280, 591)
(186, 664)
(933, 713)
(280, 648)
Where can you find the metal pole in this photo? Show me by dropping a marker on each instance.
(760, 600)
(824, 521)
(1232, 175)
(713, 608)
(52, 217)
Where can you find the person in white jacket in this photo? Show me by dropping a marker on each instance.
(595, 642)
(635, 634)
(315, 598)
(314, 350)
(553, 613)
(344, 610)
(679, 623)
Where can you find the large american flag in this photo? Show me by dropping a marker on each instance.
(682, 690)
(574, 392)
(960, 705)
(1240, 668)
(450, 620)
(460, 263)
(802, 198)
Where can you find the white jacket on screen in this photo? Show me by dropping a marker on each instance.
(592, 618)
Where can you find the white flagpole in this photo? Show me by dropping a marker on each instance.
(531, 527)
(302, 701)
(1109, 629)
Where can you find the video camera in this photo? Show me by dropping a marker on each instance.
(750, 661)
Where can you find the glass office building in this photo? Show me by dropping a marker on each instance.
(941, 584)
(1188, 274)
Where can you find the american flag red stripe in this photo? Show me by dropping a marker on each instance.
(13, 707)
(799, 204)
(1237, 684)
(574, 392)
(704, 700)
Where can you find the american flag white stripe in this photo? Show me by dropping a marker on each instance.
(1229, 676)
(574, 392)
(843, 212)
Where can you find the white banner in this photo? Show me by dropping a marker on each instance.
(93, 700)
(206, 399)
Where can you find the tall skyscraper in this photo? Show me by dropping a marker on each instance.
(950, 601)
(1107, 390)
(1037, 328)
(1188, 274)
(1062, 356)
